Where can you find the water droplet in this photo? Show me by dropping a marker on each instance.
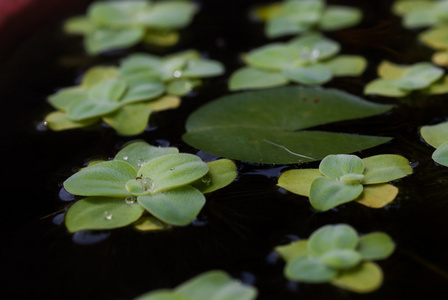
(177, 73)
(42, 126)
(206, 179)
(147, 184)
(108, 215)
(130, 200)
(125, 158)
(140, 162)
(314, 54)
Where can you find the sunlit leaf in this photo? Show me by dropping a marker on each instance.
(262, 126)
(311, 270)
(220, 174)
(101, 213)
(298, 181)
(103, 179)
(385, 168)
(389, 70)
(375, 245)
(202, 68)
(163, 103)
(90, 108)
(178, 206)
(109, 89)
(438, 87)
(181, 87)
(332, 237)
(281, 26)
(138, 153)
(364, 278)
(435, 135)
(377, 195)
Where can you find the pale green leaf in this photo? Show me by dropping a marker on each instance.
(346, 65)
(178, 206)
(221, 173)
(314, 47)
(216, 285)
(385, 87)
(58, 120)
(332, 237)
(141, 87)
(251, 78)
(435, 135)
(377, 195)
(364, 278)
(78, 25)
(181, 87)
(90, 108)
(130, 119)
(112, 39)
(375, 245)
(163, 103)
(149, 223)
(335, 166)
(341, 259)
(281, 26)
(384, 168)
(137, 153)
(272, 57)
(311, 270)
(64, 97)
(101, 213)
(419, 76)
(97, 74)
(198, 68)
(109, 89)
(440, 156)
(336, 17)
(169, 14)
(103, 179)
(436, 37)
(293, 250)
(438, 87)
(312, 74)
(298, 181)
(116, 13)
(327, 193)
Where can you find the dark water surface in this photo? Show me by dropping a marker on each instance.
(240, 224)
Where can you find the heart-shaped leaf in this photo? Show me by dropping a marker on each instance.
(261, 126)
(335, 166)
(385, 168)
(327, 193)
(298, 181)
(220, 174)
(377, 195)
(332, 237)
(102, 213)
(178, 206)
(103, 179)
(130, 119)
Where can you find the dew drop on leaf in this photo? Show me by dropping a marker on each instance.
(108, 215)
(147, 184)
(130, 200)
(206, 179)
(177, 74)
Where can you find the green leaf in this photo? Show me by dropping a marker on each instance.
(58, 120)
(110, 89)
(116, 13)
(173, 170)
(251, 78)
(149, 223)
(313, 74)
(385, 87)
(341, 259)
(142, 87)
(164, 103)
(314, 47)
(436, 37)
(272, 57)
(377, 195)
(181, 87)
(327, 193)
(198, 68)
(435, 135)
(364, 278)
(162, 295)
(337, 17)
(90, 108)
(78, 25)
(281, 26)
(137, 153)
(346, 65)
(440, 86)
(169, 14)
(440, 156)
(130, 119)
(419, 76)
(216, 285)
(309, 269)
(103, 179)
(112, 39)
(261, 126)
(64, 97)
(140, 63)
(335, 166)
(375, 245)
(388, 70)
(298, 181)
(178, 206)
(293, 250)
(221, 173)
(101, 213)
(97, 74)
(332, 237)
(385, 168)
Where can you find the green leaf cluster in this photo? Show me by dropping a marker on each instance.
(343, 178)
(437, 137)
(269, 126)
(112, 25)
(216, 285)
(310, 59)
(400, 80)
(292, 17)
(336, 254)
(125, 96)
(421, 13)
(155, 187)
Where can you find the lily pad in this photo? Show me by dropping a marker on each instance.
(263, 126)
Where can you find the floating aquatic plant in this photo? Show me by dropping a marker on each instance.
(112, 25)
(292, 17)
(437, 38)
(437, 137)
(402, 80)
(269, 126)
(311, 59)
(344, 178)
(152, 186)
(125, 96)
(337, 255)
(216, 285)
(421, 13)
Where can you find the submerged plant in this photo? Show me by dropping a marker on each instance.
(152, 186)
(112, 25)
(292, 17)
(311, 59)
(216, 285)
(437, 137)
(124, 96)
(337, 255)
(399, 80)
(343, 178)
